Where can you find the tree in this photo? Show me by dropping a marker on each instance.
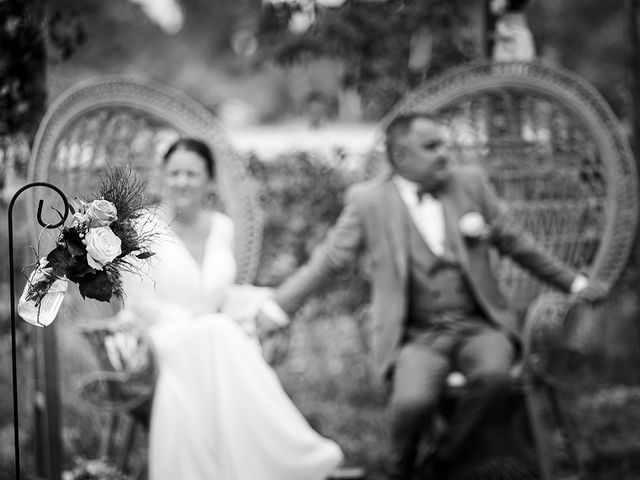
(386, 47)
(29, 33)
(22, 65)
(590, 38)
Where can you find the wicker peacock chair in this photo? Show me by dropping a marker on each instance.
(555, 152)
(121, 121)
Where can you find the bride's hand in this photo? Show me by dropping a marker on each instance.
(265, 326)
(273, 333)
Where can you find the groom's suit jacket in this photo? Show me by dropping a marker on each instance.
(375, 221)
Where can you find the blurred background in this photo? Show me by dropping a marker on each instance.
(300, 86)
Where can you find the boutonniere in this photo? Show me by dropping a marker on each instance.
(473, 227)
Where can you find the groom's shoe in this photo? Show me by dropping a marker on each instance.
(347, 473)
(434, 469)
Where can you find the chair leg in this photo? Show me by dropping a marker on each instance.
(567, 428)
(541, 436)
(111, 446)
(142, 473)
(127, 443)
(108, 439)
(431, 438)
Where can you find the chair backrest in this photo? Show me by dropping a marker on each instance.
(96, 125)
(123, 121)
(554, 151)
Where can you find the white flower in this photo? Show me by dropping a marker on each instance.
(101, 213)
(102, 246)
(80, 219)
(473, 226)
(80, 205)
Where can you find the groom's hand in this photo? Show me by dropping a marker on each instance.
(270, 318)
(588, 290)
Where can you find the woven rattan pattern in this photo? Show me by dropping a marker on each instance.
(554, 151)
(120, 121)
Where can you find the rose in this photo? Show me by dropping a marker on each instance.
(473, 226)
(102, 246)
(101, 213)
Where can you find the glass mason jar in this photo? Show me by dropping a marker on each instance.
(44, 313)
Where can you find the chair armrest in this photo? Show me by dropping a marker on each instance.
(548, 346)
(551, 351)
(544, 320)
(127, 364)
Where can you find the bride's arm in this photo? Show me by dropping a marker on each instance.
(241, 302)
(143, 305)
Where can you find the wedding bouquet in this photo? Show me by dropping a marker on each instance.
(102, 241)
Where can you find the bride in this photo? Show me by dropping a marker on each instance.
(219, 411)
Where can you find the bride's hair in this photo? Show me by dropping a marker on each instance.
(196, 146)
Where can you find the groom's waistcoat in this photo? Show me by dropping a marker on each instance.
(436, 284)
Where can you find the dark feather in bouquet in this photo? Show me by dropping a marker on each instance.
(126, 192)
(106, 237)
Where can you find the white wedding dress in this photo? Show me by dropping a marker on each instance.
(219, 411)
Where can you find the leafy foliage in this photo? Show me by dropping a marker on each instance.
(590, 38)
(302, 196)
(22, 66)
(374, 40)
(25, 45)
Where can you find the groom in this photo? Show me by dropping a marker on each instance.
(429, 229)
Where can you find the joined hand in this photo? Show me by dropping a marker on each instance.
(270, 318)
(588, 290)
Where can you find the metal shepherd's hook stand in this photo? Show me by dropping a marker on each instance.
(14, 372)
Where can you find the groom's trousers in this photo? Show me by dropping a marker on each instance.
(477, 350)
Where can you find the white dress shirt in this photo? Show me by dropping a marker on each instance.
(427, 214)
